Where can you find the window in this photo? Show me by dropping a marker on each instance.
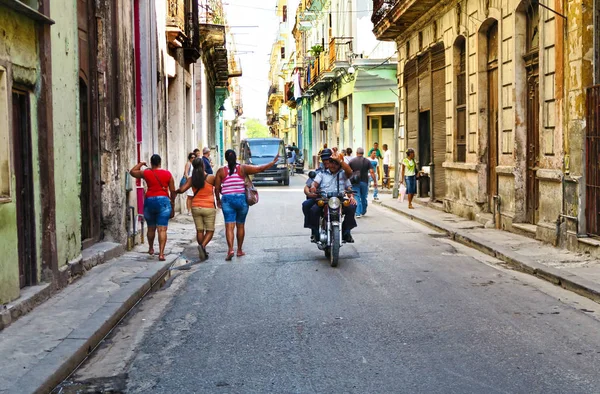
(5, 170)
(533, 21)
(283, 52)
(460, 70)
(284, 13)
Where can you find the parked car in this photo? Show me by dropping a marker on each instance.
(258, 151)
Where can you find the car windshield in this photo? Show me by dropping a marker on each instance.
(264, 148)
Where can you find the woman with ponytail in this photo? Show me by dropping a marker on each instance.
(204, 210)
(230, 192)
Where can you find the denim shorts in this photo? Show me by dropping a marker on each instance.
(157, 211)
(411, 184)
(235, 208)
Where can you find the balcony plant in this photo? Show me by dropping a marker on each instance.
(316, 50)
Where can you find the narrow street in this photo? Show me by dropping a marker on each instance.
(406, 311)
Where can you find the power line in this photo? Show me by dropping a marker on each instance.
(275, 9)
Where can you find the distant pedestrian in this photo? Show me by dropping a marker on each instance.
(231, 197)
(158, 204)
(187, 174)
(348, 156)
(361, 168)
(203, 204)
(321, 165)
(206, 157)
(409, 175)
(387, 159)
(374, 164)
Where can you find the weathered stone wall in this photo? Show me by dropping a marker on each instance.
(67, 156)
(445, 23)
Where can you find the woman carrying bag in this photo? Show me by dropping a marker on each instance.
(230, 191)
(409, 175)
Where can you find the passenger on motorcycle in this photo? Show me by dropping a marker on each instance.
(334, 179)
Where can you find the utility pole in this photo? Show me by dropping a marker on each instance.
(395, 154)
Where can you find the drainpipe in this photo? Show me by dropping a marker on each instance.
(142, 220)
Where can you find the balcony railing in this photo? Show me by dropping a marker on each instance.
(340, 49)
(380, 8)
(176, 15)
(211, 12)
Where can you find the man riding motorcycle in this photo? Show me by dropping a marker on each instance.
(334, 179)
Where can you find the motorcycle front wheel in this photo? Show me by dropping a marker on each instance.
(328, 253)
(334, 253)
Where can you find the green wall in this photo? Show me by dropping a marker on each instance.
(359, 102)
(65, 91)
(19, 55)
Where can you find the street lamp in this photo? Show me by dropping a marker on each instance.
(345, 75)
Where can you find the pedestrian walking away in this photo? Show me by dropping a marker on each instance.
(158, 204)
(374, 164)
(409, 175)
(387, 159)
(204, 208)
(206, 157)
(187, 173)
(361, 168)
(348, 156)
(231, 197)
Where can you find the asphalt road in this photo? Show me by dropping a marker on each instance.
(405, 312)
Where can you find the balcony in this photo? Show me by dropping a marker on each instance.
(192, 44)
(176, 23)
(213, 42)
(392, 17)
(340, 49)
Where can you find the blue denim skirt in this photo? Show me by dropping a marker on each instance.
(235, 208)
(157, 211)
(411, 184)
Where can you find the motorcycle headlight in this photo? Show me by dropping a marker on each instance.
(334, 203)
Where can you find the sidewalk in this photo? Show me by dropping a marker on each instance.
(573, 271)
(40, 349)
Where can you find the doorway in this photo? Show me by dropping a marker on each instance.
(533, 109)
(89, 143)
(492, 106)
(21, 114)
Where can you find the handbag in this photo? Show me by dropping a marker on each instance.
(182, 182)
(251, 192)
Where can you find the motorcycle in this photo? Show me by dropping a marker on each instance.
(330, 225)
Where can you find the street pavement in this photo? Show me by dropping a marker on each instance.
(407, 311)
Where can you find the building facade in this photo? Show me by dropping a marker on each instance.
(87, 90)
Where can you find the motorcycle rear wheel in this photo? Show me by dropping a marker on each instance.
(335, 247)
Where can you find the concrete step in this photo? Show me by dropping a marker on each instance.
(525, 229)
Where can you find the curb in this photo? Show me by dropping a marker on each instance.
(75, 348)
(566, 280)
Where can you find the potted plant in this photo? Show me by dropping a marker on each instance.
(316, 50)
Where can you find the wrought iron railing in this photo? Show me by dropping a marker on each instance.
(211, 12)
(381, 8)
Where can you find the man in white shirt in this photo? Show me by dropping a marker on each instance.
(387, 159)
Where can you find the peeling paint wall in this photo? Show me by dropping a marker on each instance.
(65, 93)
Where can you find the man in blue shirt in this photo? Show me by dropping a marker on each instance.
(335, 179)
(206, 157)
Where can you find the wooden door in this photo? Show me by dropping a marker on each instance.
(438, 81)
(592, 168)
(412, 107)
(21, 115)
(533, 126)
(492, 107)
(89, 144)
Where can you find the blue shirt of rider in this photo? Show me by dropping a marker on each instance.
(332, 183)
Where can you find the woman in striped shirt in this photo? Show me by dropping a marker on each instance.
(231, 197)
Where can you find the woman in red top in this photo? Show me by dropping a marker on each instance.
(159, 201)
